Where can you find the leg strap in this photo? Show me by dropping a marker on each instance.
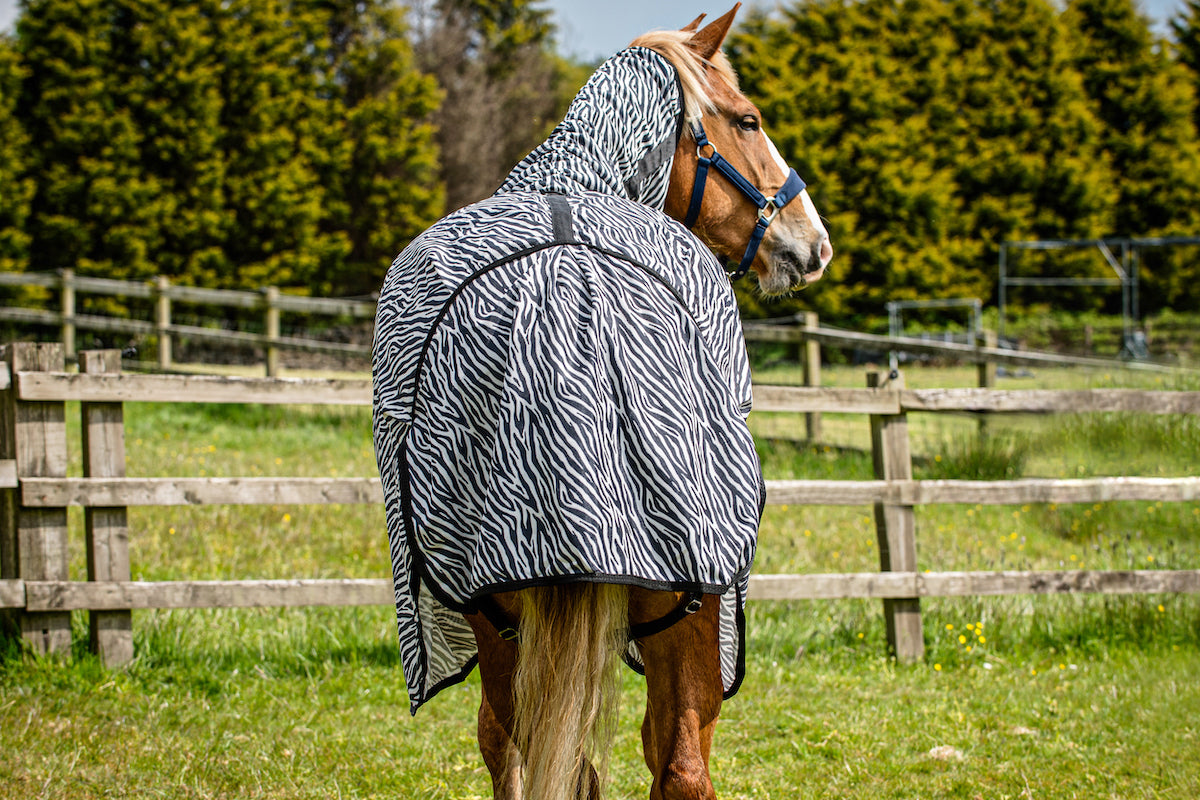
(506, 629)
(689, 605)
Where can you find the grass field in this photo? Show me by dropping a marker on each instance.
(1018, 697)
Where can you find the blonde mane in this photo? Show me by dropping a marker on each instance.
(693, 75)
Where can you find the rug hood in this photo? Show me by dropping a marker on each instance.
(618, 136)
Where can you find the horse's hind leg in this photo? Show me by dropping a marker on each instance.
(683, 695)
(497, 665)
(497, 660)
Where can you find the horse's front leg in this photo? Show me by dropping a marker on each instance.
(497, 660)
(683, 695)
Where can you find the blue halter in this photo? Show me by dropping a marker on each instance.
(768, 207)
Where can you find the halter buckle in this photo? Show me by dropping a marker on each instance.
(769, 211)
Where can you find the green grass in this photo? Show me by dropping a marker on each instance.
(1038, 697)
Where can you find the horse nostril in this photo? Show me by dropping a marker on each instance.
(825, 252)
(822, 252)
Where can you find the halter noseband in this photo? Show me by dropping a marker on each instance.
(768, 207)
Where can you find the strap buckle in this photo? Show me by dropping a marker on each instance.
(769, 210)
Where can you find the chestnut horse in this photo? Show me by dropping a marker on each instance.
(548, 693)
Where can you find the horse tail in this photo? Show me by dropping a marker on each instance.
(565, 687)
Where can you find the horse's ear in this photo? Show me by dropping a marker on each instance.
(707, 41)
(694, 25)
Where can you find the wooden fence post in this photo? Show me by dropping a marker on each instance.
(895, 525)
(162, 320)
(103, 424)
(987, 371)
(271, 298)
(810, 350)
(68, 312)
(34, 540)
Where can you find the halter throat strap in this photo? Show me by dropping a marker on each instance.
(768, 207)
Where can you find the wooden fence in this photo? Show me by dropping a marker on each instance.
(36, 492)
(270, 302)
(805, 332)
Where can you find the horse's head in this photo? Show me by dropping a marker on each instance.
(724, 134)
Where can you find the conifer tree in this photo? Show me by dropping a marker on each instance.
(85, 151)
(1147, 105)
(379, 159)
(930, 131)
(16, 188)
(1185, 26)
(225, 143)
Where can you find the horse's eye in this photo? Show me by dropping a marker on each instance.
(748, 123)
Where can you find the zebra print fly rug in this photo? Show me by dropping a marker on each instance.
(560, 388)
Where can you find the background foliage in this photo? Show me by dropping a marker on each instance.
(933, 130)
(304, 142)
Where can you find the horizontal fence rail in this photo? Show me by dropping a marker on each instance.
(321, 391)
(35, 388)
(271, 302)
(117, 596)
(91, 492)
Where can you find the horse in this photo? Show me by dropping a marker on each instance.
(507, 310)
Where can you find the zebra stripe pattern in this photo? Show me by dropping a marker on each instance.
(561, 387)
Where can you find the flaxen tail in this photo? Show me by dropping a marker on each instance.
(566, 685)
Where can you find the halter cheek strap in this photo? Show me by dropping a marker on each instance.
(768, 207)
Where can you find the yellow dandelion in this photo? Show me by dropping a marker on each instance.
(949, 626)
(938, 459)
(962, 639)
(937, 667)
(807, 532)
(784, 506)
(861, 635)
(1149, 558)
(983, 640)
(1161, 609)
(171, 531)
(287, 517)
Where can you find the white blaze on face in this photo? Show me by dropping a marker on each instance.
(810, 210)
